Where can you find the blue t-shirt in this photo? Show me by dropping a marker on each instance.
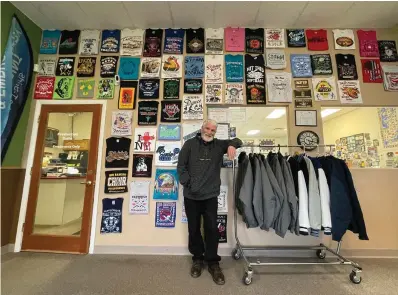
(194, 67)
(234, 68)
(174, 41)
(49, 42)
(129, 68)
(301, 65)
(110, 41)
(111, 221)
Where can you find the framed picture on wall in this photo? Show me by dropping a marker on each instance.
(51, 137)
(306, 118)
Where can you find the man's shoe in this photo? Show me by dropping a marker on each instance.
(216, 273)
(196, 269)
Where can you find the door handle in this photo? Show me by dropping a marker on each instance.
(88, 182)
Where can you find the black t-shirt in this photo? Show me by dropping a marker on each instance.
(149, 88)
(254, 40)
(195, 40)
(108, 66)
(296, 38)
(86, 66)
(388, 51)
(171, 112)
(346, 67)
(171, 89)
(111, 221)
(255, 79)
(65, 66)
(148, 113)
(193, 86)
(321, 64)
(142, 165)
(117, 152)
(69, 42)
(116, 181)
(153, 43)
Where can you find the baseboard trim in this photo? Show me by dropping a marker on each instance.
(7, 249)
(226, 251)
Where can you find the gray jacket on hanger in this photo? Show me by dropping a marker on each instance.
(270, 200)
(314, 200)
(258, 192)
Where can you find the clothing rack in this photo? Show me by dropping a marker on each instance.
(239, 250)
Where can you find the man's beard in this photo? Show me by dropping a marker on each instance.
(207, 137)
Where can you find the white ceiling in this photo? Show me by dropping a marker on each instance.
(208, 14)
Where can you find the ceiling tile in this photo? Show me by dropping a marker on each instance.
(236, 14)
(149, 14)
(34, 14)
(279, 14)
(192, 14)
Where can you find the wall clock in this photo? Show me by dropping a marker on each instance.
(306, 138)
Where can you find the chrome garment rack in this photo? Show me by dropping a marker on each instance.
(321, 250)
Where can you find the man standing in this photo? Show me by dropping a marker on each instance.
(199, 167)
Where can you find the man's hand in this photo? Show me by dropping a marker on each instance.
(231, 152)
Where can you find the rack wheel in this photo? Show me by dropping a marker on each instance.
(236, 254)
(247, 280)
(355, 277)
(321, 254)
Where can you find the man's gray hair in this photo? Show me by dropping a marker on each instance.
(209, 121)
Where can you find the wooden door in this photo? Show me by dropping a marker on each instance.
(58, 216)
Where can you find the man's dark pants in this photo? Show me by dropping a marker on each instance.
(203, 249)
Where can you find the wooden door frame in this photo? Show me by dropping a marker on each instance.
(30, 159)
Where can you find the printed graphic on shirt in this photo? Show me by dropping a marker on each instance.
(234, 68)
(129, 68)
(145, 139)
(301, 84)
(49, 42)
(193, 86)
(121, 123)
(234, 93)
(255, 79)
(116, 181)
(171, 112)
(346, 67)
(275, 59)
(117, 152)
(63, 87)
(194, 67)
(321, 64)
(47, 66)
(195, 39)
(302, 93)
(65, 66)
(214, 93)
(254, 40)
(85, 88)
(89, 41)
(171, 89)
(153, 41)
(174, 41)
(149, 88)
(169, 132)
(279, 87)
(166, 184)
(172, 66)
(223, 200)
(301, 65)
(303, 103)
(106, 88)
(317, 40)
(139, 197)
(86, 66)
(150, 67)
(222, 228)
(275, 38)
(110, 41)
(44, 88)
(167, 153)
(165, 214)
(108, 66)
(371, 71)
(296, 38)
(368, 46)
(235, 39)
(324, 88)
(111, 221)
(344, 39)
(214, 41)
(192, 107)
(390, 75)
(349, 92)
(127, 95)
(148, 113)
(142, 165)
(184, 218)
(214, 69)
(131, 42)
(388, 51)
(68, 43)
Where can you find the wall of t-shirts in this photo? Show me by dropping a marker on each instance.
(160, 82)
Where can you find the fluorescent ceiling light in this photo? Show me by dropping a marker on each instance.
(277, 113)
(328, 112)
(252, 132)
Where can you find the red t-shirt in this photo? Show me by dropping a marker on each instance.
(368, 46)
(371, 71)
(317, 40)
